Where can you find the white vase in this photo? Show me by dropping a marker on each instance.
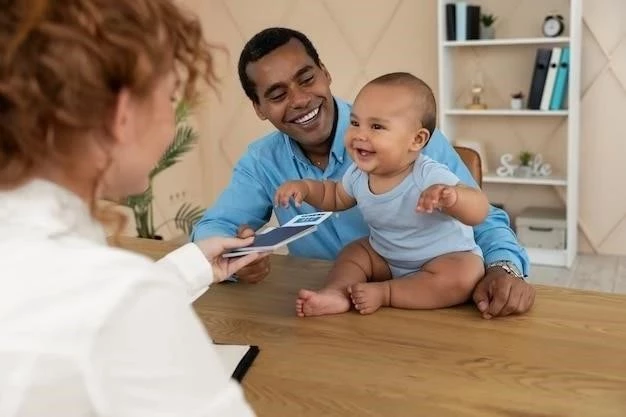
(524, 171)
(516, 103)
(487, 32)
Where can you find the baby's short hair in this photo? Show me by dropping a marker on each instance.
(421, 90)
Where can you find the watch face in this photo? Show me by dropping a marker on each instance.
(551, 27)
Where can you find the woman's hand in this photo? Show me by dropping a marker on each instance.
(214, 247)
(257, 270)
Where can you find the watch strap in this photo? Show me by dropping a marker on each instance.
(508, 266)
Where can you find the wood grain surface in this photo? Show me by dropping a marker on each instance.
(565, 358)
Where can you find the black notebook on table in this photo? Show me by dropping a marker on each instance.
(237, 359)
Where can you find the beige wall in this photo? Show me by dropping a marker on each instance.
(359, 39)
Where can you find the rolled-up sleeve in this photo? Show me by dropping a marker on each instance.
(244, 201)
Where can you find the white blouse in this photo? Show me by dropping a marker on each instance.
(90, 330)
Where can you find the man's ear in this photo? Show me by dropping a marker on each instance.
(258, 111)
(420, 139)
(326, 73)
(122, 119)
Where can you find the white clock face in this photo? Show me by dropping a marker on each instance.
(551, 27)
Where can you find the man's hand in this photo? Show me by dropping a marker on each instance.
(500, 294)
(256, 271)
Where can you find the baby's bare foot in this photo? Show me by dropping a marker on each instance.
(312, 303)
(368, 297)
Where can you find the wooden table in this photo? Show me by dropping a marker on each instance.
(566, 358)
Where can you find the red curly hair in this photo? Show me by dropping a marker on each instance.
(63, 64)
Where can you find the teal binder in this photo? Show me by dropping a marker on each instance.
(461, 20)
(560, 85)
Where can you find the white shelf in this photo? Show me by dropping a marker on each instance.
(454, 120)
(548, 257)
(551, 180)
(505, 112)
(508, 42)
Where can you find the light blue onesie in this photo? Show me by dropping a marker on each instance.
(405, 238)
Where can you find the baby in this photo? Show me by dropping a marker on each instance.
(421, 252)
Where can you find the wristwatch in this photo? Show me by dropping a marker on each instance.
(508, 266)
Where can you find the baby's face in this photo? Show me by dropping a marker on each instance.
(384, 124)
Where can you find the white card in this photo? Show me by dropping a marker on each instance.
(299, 226)
(308, 219)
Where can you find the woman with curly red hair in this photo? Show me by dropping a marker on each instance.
(86, 92)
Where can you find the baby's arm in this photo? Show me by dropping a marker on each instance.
(324, 195)
(466, 204)
(442, 190)
(328, 195)
(471, 207)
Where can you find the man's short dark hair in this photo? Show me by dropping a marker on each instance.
(423, 90)
(262, 44)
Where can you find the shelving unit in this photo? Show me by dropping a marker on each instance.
(506, 41)
(505, 112)
(451, 112)
(492, 178)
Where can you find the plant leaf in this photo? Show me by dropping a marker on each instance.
(186, 217)
(182, 112)
(183, 142)
(141, 204)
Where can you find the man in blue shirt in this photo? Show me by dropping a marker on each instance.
(282, 74)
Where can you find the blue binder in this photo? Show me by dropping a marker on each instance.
(461, 20)
(560, 85)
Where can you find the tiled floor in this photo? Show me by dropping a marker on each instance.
(589, 272)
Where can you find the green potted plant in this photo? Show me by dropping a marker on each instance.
(142, 204)
(486, 26)
(524, 169)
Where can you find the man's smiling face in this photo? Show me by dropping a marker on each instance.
(294, 94)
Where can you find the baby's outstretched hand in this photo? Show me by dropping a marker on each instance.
(297, 190)
(436, 196)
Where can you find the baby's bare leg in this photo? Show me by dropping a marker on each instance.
(445, 281)
(368, 296)
(354, 264)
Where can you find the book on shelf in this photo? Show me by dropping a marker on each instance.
(548, 87)
(462, 21)
(560, 84)
(540, 72)
(451, 21)
(472, 23)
